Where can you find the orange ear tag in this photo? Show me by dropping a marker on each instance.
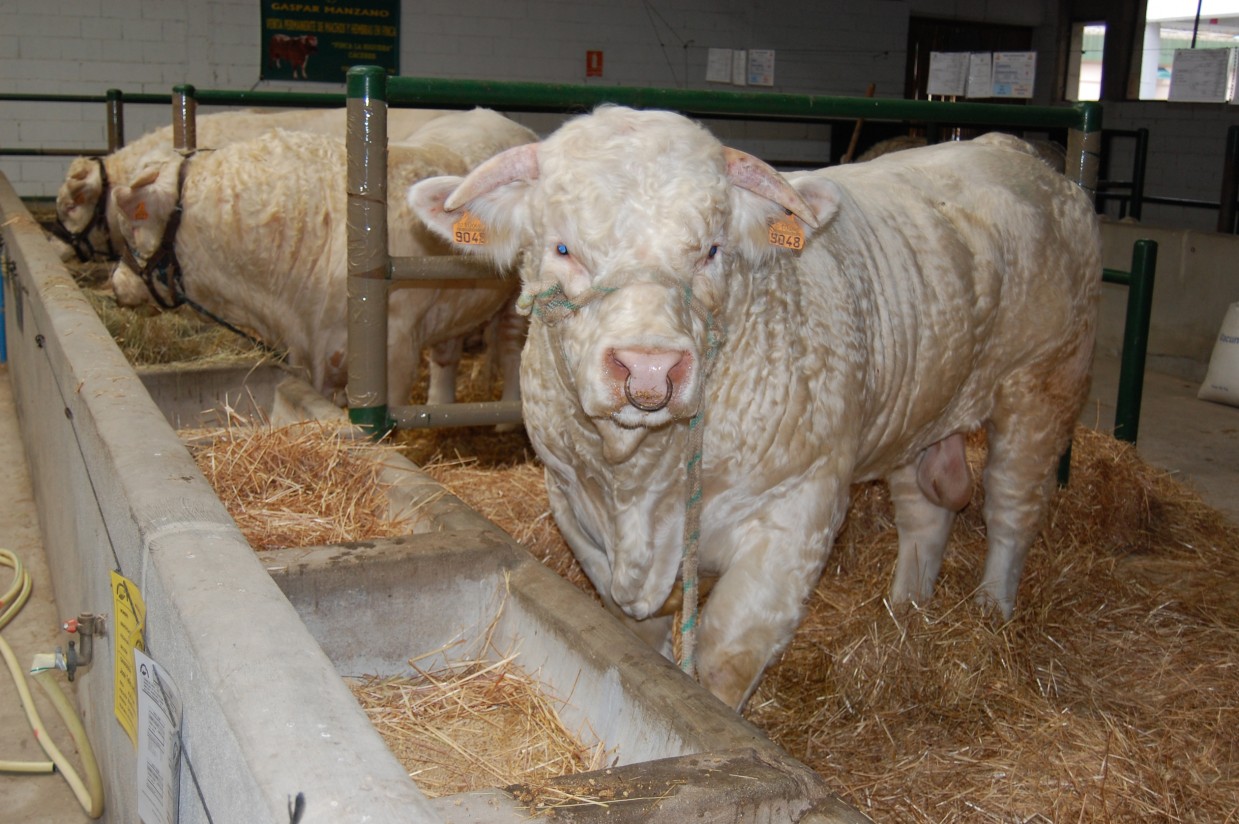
(469, 231)
(140, 213)
(787, 233)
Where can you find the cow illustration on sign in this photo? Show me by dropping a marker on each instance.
(296, 50)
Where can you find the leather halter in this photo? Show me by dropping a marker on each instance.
(163, 268)
(80, 241)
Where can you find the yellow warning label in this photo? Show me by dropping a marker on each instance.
(130, 612)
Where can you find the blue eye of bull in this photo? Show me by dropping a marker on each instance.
(562, 249)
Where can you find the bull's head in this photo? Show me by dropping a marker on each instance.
(78, 209)
(630, 222)
(143, 208)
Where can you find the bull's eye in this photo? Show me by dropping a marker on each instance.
(561, 249)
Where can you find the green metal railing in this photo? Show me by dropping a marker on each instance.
(370, 90)
(1139, 283)
(372, 270)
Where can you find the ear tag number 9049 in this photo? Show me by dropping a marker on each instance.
(469, 231)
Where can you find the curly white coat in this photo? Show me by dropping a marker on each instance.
(84, 185)
(262, 244)
(938, 290)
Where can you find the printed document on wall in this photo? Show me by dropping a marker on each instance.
(1014, 73)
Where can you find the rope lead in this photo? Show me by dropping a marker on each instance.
(551, 305)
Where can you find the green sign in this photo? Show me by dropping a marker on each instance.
(319, 41)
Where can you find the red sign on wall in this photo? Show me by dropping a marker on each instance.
(593, 64)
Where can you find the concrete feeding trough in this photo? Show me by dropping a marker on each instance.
(372, 606)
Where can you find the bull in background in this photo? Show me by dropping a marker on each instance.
(819, 330)
(259, 241)
(86, 219)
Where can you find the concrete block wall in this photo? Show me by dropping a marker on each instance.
(833, 48)
(149, 46)
(1187, 144)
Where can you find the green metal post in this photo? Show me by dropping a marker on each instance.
(184, 128)
(1135, 340)
(1083, 159)
(369, 261)
(116, 119)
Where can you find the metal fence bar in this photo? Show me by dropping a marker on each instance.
(1226, 221)
(370, 91)
(1139, 283)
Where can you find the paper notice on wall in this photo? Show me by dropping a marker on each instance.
(1014, 73)
(159, 743)
(130, 612)
(761, 67)
(739, 67)
(718, 65)
(980, 74)
(1201, 75)
(948, 74)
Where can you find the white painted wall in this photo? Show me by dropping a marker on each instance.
(823, 47)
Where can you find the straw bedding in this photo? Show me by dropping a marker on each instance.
(478, 721)
(301, 485)
(1112, 696)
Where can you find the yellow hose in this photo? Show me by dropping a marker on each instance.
(89, 793)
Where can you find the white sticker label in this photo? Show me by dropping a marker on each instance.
(159, 742)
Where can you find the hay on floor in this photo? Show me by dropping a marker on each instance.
(306, 484)
(1113, 695)
(149, 337)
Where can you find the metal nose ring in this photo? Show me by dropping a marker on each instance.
(648, 407)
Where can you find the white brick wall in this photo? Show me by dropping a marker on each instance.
(833, 48)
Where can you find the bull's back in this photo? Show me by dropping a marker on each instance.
(968, 261)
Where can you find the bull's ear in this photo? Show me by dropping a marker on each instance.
(485, 212)
(821, 194)
(770, 213)
(82, 182)
(760, 178)
(142, 199)
(144, 207)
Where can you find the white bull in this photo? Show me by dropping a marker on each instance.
(261, 244)
(85, 213)
(833, 327)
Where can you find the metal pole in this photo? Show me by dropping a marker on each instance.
(1135, 340)
(184, 129)
(116, 119)
(443, 267)
(1230, 183)
(431, 416)
(369, 262)
(1138, 166)
(1083, 160)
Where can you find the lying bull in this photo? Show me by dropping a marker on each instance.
(254, 234)
(818, 330)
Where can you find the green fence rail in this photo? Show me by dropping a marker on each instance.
(1139, 283)
(368, 85)
(370, 91)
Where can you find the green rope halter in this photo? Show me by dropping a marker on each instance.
(551, 305)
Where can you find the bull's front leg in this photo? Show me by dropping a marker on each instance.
(445, 360)
(777, 555)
